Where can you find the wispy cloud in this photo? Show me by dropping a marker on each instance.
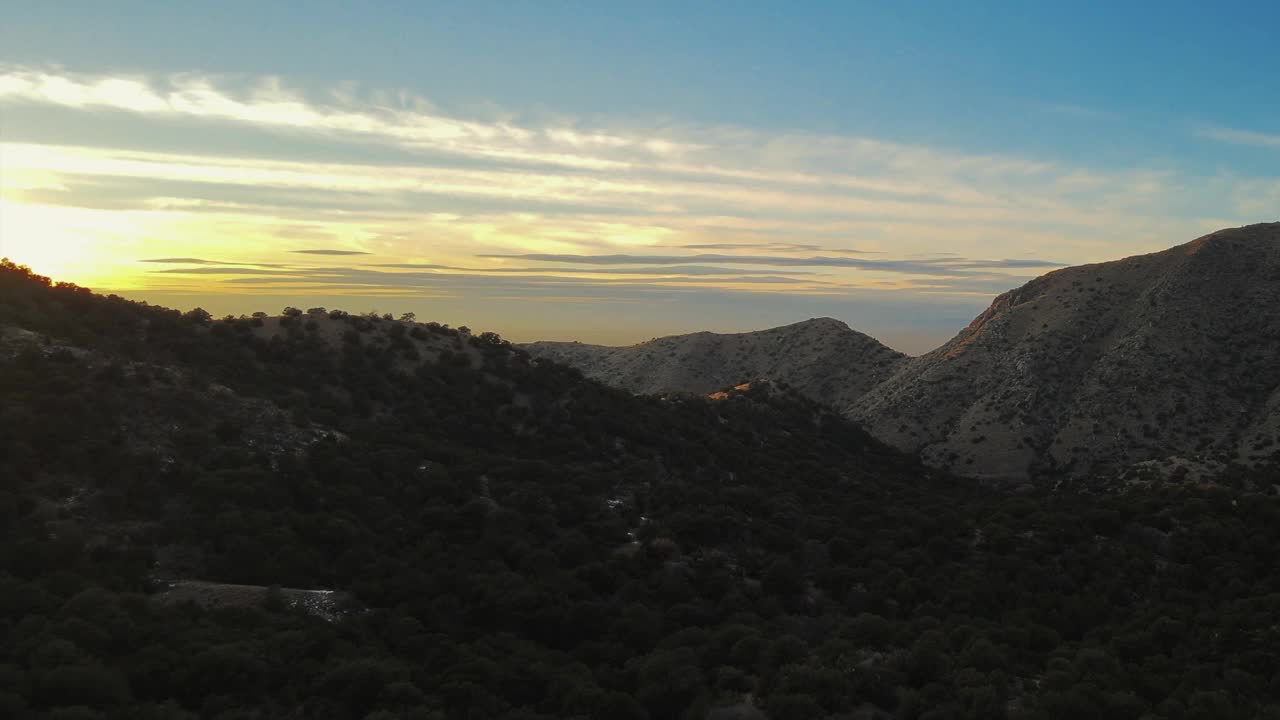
(1241, 137)
(786, 172)
(198, 266)
(221, 270)
(682, 270)
(937, 266)
(323, 251)
(558, 278)
(266, 102)
(201, 261)
(185, 261)
(776, 247)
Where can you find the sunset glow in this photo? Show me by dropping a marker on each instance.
(186, 183)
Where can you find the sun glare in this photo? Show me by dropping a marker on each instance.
(61, 242)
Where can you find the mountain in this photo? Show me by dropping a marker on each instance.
(1168, 362)
(1170, 357)
(822, 359)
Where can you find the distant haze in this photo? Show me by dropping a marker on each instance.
(914, 327)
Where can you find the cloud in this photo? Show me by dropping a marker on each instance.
(803, 172)
(201, 261)
(330, 252)
(1241, 137)
(776, 247)
(184, 261)
(557, 287)
(936, 266)
(267, 103)
(348, 277)
(228, 270)
(682, 270)
(394, 275)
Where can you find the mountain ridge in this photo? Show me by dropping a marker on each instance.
(799, 353)
(1086, 369)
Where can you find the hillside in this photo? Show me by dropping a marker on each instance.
(321, 515)
(1095, 368)
(821, 358)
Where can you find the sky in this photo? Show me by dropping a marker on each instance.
(612, 172)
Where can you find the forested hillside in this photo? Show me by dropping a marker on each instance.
(519, 542)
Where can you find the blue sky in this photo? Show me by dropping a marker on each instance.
(478, 137)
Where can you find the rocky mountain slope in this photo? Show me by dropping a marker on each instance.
(1167, 359)
(821, 358)
(1099, 367)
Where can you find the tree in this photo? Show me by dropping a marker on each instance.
(198, 315)
(793, 707)
(782, 579)
(618, 706)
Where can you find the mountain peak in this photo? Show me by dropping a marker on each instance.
(1258, 237)
(823, 323)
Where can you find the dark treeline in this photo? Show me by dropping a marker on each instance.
(523, 543)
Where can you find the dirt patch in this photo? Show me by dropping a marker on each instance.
(328, 604)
